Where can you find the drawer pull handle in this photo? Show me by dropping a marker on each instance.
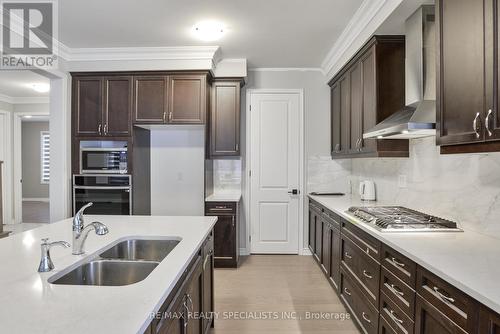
(367, 250)
(347, 255)
(347, 292)
(394, 316)
(397, 290)
(365, 317)
(396, 262)
(367, 274)
(443, 297)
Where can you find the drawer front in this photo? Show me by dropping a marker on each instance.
(397, 291)
(220, 208)
(429, 320)
(453, 303)
(402, 267)
(364, 312)
(385, 327)
(399, 321)
(363, 240)
(363, 267)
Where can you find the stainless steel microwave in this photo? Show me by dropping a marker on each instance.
(98, 160)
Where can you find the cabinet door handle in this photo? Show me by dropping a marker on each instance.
(444, 298)
(233, 221)
(347, 255)
(474, 125)
(105, 129)
(487, 123)
(99, 127)
(237, 147)
(337, 148)
(397, 263)
(170, 116)
(347, 292)
(395, 317)
(365, 317)
(397, 290)
(367, 274)
(164, 117)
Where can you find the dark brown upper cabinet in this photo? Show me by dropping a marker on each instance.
(87, 106)
(102, 106)
(117, 106)
(150, 95)
(225, 118)
(187, 99)
(366, 91)
(467, 76)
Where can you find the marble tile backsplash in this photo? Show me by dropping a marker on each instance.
(227, 175)
(464, 187)
(327, 175)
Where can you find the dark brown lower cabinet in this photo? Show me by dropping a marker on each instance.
(188, 311)
(429, 320)
(334, 256)
(325, 248)
(208, 283)
(226, 233)
(385, 291)
(489, 321)
(365, 314)
(384, 327)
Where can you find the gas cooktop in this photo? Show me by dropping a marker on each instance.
(401, 219)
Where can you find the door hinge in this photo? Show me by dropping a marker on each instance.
(250, 107)
(249, 238)
(250, 173)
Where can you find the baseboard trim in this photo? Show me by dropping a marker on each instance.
(306, 251)
(36, 199)
(244, 252)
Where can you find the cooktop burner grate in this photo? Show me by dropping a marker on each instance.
(401, 219)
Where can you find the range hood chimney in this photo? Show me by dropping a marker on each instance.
(418, 118)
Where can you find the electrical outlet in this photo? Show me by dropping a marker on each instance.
(402, 181)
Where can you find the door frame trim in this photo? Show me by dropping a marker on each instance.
(18, 160)
(247, 199)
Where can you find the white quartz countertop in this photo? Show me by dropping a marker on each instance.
(30, 304)
(468, 260)
(224, 197)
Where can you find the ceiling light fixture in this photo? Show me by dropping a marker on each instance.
(40, 87)
(28, 116)
(209, 30)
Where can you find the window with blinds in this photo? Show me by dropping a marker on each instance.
(45, 156)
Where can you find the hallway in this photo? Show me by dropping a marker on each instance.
(287, 288)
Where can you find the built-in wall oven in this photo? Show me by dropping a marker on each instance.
(103, 160)
(110, 193)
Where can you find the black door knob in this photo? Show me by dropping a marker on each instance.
(294, 192)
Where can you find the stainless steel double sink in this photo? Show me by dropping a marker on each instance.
(127, 262)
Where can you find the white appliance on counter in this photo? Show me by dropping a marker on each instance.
(367, 190)
(178, 170)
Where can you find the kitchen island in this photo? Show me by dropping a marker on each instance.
(30, 304)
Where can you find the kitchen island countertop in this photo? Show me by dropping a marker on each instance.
(32, 305)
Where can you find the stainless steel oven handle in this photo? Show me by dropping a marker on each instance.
(103, 188)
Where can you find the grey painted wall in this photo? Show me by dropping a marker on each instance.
(32, 187)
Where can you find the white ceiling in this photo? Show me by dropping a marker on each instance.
(17, 84)
(269, 33)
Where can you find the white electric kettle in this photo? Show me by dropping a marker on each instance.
(367, 190)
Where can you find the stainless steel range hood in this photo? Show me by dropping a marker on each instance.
(418, 118)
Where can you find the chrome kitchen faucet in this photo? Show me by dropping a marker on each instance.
(46, 263)
(81, 232)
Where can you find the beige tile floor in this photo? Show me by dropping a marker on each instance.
(276, 284)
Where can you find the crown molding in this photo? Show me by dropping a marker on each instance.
(140, 53)
(286, 69)
(24, 100)
(362, 25)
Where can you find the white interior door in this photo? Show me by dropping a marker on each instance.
(275, 172)
(5, 156)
